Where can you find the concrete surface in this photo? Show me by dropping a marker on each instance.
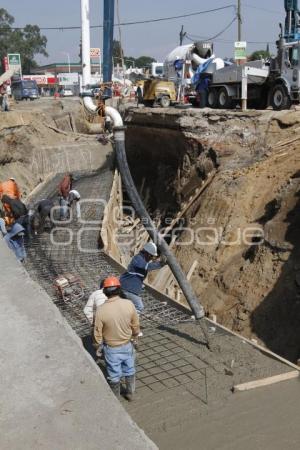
(263, 419)
(53, 396)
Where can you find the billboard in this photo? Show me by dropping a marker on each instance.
(40, 79)
(14, 62)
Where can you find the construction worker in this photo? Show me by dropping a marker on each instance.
(39, 215)
(65, 186)
(97, 298)
(132, 280)
(116, 324)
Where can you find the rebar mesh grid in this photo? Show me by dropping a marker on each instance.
(161, 363)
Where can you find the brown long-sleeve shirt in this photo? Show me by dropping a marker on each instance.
(116, 322)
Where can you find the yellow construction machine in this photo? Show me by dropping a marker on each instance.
(159, 92)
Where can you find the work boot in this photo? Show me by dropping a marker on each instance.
(115, 387)
(130, 387)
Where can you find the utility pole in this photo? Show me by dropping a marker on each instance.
(182, 35)
(239, 17)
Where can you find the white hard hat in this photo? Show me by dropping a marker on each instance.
(75, 193)
(150, 248)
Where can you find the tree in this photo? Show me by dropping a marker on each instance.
(144, 61)
(259, 54)
(28, 42)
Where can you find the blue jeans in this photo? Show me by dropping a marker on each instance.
(3, 227)
(119, 361)
(16, 244)
(136, 300)
(63, 203)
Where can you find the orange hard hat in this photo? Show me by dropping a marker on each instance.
(111, 282)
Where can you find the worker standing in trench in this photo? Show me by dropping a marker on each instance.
(65, 186)
(116, 325)
(132, 280)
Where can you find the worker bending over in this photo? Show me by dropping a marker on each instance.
(132, 280)
(116, 324)
(74, 199)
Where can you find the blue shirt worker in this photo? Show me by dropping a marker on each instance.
(116, 327)
(132, 280)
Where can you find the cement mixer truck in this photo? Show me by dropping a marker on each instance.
(183, 63)
(275, 81)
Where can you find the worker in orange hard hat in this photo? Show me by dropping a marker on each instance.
(116, 324)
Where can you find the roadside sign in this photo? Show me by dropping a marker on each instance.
(14, 62)
(240, 50)
(95, 52)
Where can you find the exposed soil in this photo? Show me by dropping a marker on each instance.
(252, 283)
(33, 136)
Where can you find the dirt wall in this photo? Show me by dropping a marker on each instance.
(243, 229)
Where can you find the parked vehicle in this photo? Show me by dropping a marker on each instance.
(24, 89)
(66, 93)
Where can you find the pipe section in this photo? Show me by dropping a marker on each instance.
(85, 43)
(119, 138)
(108, 36)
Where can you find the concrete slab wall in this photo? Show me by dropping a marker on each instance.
(53, 396)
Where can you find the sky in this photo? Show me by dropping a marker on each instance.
(260, 24)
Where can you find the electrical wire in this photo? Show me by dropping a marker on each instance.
(138, 22)
(192, 37)
(262, 9)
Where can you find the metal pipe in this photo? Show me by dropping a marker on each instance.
(108, 36)
(119, 140)
(86, 60)
(85, 43)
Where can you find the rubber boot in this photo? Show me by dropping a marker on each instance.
(115, 387)
(130, 387)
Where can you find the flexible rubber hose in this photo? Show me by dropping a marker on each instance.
(196, 307)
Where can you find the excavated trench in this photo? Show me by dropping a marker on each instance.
(240, 232)
(178, 378)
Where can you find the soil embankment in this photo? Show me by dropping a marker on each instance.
(242, 230)
(42, 138)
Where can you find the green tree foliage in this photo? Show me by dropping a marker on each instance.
(259, 54)
(144, 61)
(28, 42)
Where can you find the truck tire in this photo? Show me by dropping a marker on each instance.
(165, 101)
(224, 101)
(212, 98)
(280, 98)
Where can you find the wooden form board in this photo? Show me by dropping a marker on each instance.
(266, 381)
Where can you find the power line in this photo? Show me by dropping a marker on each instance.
(192, 36)
(272, 11)
(138, 22)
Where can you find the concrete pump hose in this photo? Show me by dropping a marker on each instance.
(119, 138)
